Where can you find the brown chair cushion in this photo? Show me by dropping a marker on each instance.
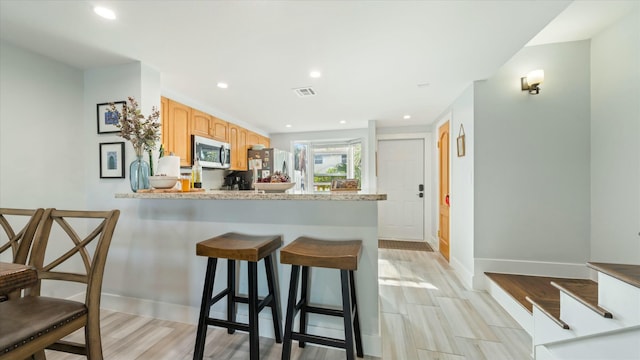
(25, 319)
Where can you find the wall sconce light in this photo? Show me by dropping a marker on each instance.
(531, 81)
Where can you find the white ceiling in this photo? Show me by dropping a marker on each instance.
(372, 54)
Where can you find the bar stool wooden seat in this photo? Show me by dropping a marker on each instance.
(307, 252)
(233, 247)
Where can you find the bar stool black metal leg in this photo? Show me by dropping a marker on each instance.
(232, 306)
(356, 319)
(304, 294)
(276, 314)
(254, 334)
(201, 335)
(291, 306)
(346, 308)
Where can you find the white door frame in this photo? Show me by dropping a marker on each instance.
(428, 194)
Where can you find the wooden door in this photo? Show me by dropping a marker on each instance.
(179, 132)
(443, 202)
(200, 123)
(400, 174)
(219, 129)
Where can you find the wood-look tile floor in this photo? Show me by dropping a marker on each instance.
(426, 313)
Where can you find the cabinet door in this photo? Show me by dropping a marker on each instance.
(238, 142)
(252, 138)
(164, 118)
(200, 123)
(243, 148)
(219, 129)
(179, 132)
(265, 141)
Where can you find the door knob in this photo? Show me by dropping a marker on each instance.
(421, 195)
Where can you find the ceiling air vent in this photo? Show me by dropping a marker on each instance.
(305, 91)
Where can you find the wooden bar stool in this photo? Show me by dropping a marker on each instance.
(234, 246)
(342, 255)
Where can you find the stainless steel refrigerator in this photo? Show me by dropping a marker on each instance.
(269, 160)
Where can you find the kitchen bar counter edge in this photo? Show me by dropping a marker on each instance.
(251, 195)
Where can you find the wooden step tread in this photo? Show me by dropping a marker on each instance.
(536, 287)
(623, 272)
(585, 292)
(551, 308)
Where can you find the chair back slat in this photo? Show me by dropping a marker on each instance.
(19, 241)
(71, 243)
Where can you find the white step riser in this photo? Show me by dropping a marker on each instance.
(511, 306)
(620, 298)
(583, 320)
(542, 353)
(546, 330)
(616, 346)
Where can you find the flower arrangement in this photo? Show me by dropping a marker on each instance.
(142, 132)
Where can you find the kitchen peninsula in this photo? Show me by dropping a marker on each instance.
(183, 219)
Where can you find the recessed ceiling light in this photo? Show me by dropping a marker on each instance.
(343, 121)
(104, 12)
(288, 125)
(315, 74)
(407, 117)
(222, 85)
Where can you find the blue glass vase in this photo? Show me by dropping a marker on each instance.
(139, 174)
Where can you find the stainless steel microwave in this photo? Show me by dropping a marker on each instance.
(212, 154)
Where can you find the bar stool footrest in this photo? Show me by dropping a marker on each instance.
(228, 324)
(320, 340)
(324, 311)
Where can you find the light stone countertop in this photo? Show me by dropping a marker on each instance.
(252, 195)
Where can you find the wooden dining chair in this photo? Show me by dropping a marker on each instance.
(32, 323)
(19, 227)
(15, 238)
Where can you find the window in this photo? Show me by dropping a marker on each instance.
(331, 161)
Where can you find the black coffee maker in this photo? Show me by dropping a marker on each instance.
(236, 180)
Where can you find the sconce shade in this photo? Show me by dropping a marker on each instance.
(535, 77)
(531, 81)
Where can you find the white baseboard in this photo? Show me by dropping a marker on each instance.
(372, 344)
(464, 275)
(525, 267)
(435, 244)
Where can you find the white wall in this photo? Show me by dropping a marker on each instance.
(615, 142)
(462, 188)
(42, 129)
(532, 164)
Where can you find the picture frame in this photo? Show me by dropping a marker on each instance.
(112, 160)
(345, 185)
(460, 142)
(107, 120)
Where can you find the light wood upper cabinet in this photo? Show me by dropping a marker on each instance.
(265, 141)
(218, 129)
(178, 130)
(164, 120)
(179, 122)
(238, 142)
(200, 123)
(253, 138)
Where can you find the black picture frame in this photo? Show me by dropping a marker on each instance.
(112, 160)
(107, 120)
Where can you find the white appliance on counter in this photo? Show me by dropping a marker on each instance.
(212, 154)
